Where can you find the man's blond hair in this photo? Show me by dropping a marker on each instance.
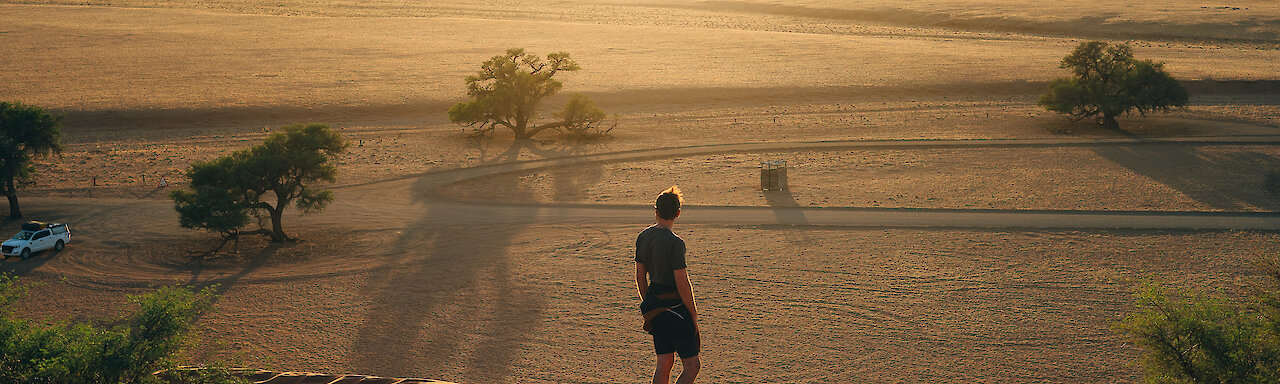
(669, 202)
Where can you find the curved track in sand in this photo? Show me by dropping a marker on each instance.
(128, 248)
(424, 189)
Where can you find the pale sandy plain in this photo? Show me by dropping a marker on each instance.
(393, 281)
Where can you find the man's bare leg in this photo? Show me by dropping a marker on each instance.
(662, 374)
(691, 367)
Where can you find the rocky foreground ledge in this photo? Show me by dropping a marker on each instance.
(258, 376)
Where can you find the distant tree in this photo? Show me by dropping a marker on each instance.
(25, 132)
(508, 89)
(284, 168)
(1190, 337)
(80, 353)
(1108, 82)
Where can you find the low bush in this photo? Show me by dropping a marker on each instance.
(127, 350)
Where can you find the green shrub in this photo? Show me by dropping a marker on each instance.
(1189, 337)
(1193, 337)
(128, 352)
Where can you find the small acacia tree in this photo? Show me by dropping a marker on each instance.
(508, 89)
(1109, 82)
(284, 168)
(25, 132)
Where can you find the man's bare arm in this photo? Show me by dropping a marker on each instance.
(642, 280)
(686, 294)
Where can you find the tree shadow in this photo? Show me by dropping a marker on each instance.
(570, 184)
(196, 267)
(492, 150)
(449, 297)
(201, 270)
(1224, 180)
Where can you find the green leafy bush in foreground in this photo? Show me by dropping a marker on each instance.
(1191, 337)
(71, 353)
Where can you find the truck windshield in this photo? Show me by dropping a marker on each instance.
(24, 235)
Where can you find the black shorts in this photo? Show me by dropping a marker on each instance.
(685, 347)
(673, 332)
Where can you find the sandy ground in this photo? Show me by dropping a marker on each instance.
(167, 59)
(130, 162)
(386, 282)
(1250, 20)
(1165, 178)
(544, 302)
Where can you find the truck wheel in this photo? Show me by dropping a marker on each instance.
(26, 253)
(58, 247)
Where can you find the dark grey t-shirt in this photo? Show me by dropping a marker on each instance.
(662, 253)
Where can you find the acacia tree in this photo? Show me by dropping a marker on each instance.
(508, 89)
(287, 165)
(1109, 82)
(25, 132)
(284, 168)
(212, 204)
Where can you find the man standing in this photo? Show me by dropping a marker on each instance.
(670, 314)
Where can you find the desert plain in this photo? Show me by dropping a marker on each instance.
(494, 260)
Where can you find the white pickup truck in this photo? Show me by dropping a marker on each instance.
(36, 237)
